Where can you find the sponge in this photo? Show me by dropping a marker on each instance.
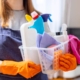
(56, 59)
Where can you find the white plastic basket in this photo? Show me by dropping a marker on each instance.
(47, 57)
(30, 54)
(43, 56)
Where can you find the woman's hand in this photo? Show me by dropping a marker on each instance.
(24, 68)
(67, 62)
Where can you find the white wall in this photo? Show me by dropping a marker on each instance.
(73, 16)
(71, 10)
(54, 7)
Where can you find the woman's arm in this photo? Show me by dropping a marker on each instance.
(13, 68)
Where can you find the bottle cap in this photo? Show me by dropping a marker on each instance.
(28, 17)
(34, 15)
(58, 33)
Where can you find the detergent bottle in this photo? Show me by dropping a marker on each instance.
(61, 36)
(46, 17)
(29, 37)
(38, 23)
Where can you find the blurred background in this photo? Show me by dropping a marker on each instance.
(63, 11)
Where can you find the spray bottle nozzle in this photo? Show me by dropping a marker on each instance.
(46, 17)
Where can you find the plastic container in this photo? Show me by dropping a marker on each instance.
(31, 54)
(26, 34)
(46, 56)
(46, 17)
(29, 37)
(61, 36)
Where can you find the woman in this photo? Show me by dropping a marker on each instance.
(12, 16)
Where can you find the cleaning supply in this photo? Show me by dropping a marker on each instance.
(34, 15)
(28, 18)
(29, 37)
(65, 35)
(64, 32)
(56, 59)
(27, 33)
(57, 35)
(47, 41)
(61, 36)
(67, 62)
(26, 69)
(74, 47)
(38, 23)
(46, 17)
(46, 56)
(64, 29)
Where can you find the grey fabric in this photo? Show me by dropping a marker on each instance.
(17, 20)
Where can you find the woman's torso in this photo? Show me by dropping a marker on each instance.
(10, 40)
(17, 20)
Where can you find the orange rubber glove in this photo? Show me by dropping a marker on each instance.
(67, 62)
(24, 68)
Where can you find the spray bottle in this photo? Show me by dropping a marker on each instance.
(38, 23)
(29, 37)
(46, 17)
